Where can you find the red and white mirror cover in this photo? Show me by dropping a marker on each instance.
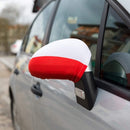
(62, 59)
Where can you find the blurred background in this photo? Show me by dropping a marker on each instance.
(15, 18)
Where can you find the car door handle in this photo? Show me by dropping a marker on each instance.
(16, 71)
(36, 89)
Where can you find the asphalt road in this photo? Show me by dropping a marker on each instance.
(5, 117)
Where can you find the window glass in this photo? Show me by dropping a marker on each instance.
(78, 19)
(38, 29)
(116, 51)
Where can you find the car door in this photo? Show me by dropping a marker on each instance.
(113, 67)
(57, 108)
(23, 79)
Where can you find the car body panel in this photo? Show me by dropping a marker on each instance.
(112, 109)
(57, 109)
(21, 91)
(59, 101)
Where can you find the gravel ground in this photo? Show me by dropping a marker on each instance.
(5, 117)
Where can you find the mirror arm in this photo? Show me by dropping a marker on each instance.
(88, 90)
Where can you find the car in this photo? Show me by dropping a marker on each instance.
(15, 47)
(73, 69)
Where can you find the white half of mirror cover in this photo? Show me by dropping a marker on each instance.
(62, 59)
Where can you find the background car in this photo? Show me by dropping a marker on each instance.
(98, 100)
(15, 47)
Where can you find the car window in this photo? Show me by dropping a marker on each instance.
(116, 51)
(78, 19)
(38, 30)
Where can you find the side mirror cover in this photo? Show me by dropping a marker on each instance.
(66, 59)
(62, 59)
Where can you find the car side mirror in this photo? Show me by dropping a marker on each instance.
(67, 59)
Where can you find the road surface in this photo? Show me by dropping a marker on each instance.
(5, 117)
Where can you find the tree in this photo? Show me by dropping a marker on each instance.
(4, 24)
(11, 13)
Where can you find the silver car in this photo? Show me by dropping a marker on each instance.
(45, 95)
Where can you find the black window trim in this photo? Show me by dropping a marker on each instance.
(100, 39)
(114, 89)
